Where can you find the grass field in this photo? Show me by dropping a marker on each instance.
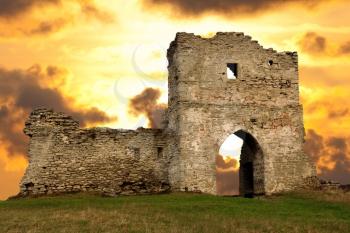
(311, 212)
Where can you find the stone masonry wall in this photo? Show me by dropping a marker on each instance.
(64, 158)
(205, 107)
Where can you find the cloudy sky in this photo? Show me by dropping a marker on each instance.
(90, 58)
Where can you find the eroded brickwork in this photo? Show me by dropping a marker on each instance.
(64, 158)
(205, 107)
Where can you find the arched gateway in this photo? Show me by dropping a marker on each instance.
(226, 84)
(251, 170)
(240, 166)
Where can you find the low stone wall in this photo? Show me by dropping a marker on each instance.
(64, 158)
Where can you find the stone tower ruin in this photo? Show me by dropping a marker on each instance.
(217, 86)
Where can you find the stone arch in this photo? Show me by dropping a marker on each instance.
(251, 168)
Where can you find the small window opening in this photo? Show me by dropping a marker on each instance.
(270, 62)
(231, 70)
(29, 185)
(253, 120)
(92, 135)
(160, 152)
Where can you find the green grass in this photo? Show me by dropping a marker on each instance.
(312, 212)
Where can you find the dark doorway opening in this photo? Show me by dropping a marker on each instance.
(247, 177)
(250, 170)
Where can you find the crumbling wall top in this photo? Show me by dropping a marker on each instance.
(189, 38)
(46, 118)
(42, 120)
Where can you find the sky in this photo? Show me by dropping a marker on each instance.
(99, 61)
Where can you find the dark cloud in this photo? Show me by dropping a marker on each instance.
(313, 43)
(3, 111)
(338, 143)
(147, 103)
(345, 48)
(53, 71)
(13, 8)
(90, 10)
(316, 44)
(48, 27)
(340, 173)
(229, 8)
(314, 144)
(23, 90)
(90, 116)
(16, 141)
(329, 150)
(338, 114)
(38, 97)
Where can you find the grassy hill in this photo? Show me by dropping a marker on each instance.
(308, 212)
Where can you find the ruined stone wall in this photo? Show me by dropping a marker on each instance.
(65, 158)
(205, 107)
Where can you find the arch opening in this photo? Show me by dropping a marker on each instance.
(240, 166)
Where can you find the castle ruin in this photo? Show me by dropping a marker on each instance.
(258, 101)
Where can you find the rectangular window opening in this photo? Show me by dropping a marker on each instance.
(231, 71)
(160, 152)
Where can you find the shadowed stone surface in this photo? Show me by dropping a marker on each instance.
(261, 105)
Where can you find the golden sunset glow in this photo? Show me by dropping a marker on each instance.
(90, 58)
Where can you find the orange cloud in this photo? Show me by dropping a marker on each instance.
(326, 99)
(32, 17)
(331, 155)
(227, 178)
(20, 92)
(318, 45)
(344, 48)
(226, 164)
(313, 43)
(48, 27)
(23, 90)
